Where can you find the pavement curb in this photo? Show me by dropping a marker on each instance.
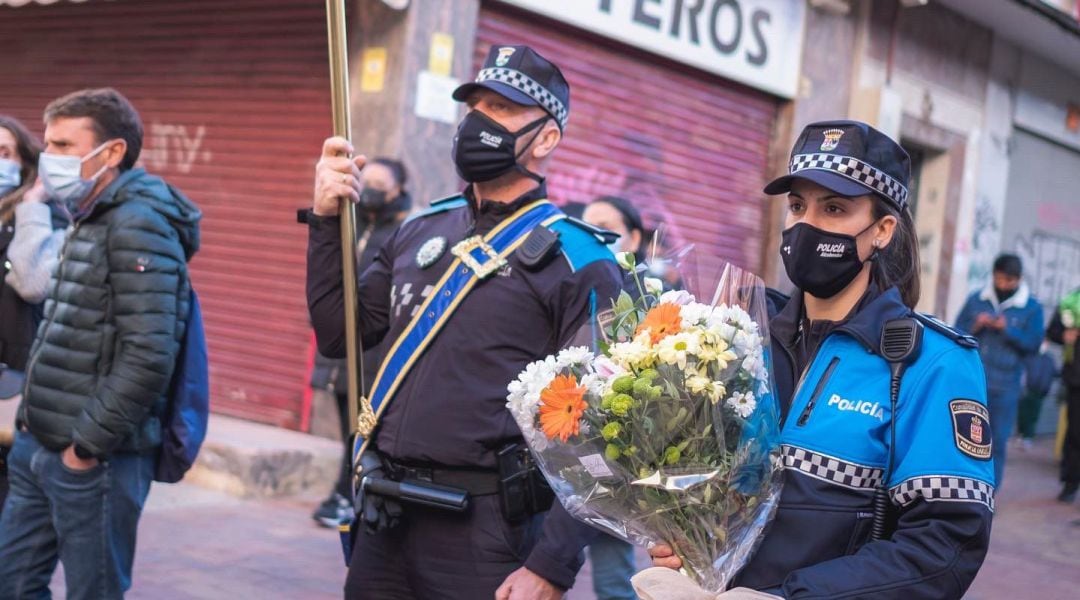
(252, 460)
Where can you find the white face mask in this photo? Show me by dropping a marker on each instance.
(62, 177)
(10, 176)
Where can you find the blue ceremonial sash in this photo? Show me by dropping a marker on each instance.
(455, 284)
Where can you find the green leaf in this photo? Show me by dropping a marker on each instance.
(624, 304)
(677, 420)
(648, 425)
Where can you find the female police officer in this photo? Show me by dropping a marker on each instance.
(888, 488)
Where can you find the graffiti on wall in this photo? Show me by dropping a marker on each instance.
(985, 240)
(573, 182)
(1051, 264)
(175, 147)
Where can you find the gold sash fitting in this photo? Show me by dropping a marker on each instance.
(365, 420)
(463, 250)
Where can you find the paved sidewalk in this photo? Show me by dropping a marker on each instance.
(200, 544)
(1035, 545)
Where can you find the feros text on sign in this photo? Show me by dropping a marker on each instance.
(724, 23)
(755, 42)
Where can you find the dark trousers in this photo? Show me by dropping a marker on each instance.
(612, 567)
(3, 476)
(1028, 417)
(1070, 454)
(344, 482)
(435, 554)
(86, 519)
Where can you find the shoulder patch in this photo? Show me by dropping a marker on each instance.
(971, 428)
(580, 243)
(961, 339)
(604, 235)
(441, 205)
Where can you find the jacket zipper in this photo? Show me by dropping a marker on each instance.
(820, 387)
(52, 316)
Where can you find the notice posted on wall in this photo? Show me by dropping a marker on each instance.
(433, 98)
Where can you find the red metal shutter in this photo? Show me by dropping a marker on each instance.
(689, 149)
(234, 100)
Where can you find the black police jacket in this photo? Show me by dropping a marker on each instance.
(451, 407)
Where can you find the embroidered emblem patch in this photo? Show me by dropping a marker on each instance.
(971, 428)
(431, 252)
(832, 139)
(504, 56)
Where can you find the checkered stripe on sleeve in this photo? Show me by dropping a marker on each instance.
(853, 169)
(828, 468)
(527, 85)
(943, 488)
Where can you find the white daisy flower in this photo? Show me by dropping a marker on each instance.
(743, 403)
(680, 297)
(573, 357)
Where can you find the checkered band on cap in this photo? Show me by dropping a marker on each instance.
(527, 85)
(828, 468)
(943, 488)
(853, 169)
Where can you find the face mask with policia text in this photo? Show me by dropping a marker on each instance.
(484, 150)
(819, 262)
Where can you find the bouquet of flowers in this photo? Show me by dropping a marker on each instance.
(1070, 316)
(665, 429)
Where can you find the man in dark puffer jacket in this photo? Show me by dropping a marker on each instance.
(89, 429)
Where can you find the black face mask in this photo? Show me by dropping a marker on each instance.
(818, 262)
(372, 199)
(484, 150)
(1003, 295)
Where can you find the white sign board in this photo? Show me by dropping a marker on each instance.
(756, 42)
(434, 97)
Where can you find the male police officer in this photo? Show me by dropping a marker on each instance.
(467, 294)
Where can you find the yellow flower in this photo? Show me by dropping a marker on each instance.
(674, 349)
(698, 384)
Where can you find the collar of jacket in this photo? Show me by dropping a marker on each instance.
(1017, 300)
(109, 195)
(487, 214)
(864, 325)
(503, 209)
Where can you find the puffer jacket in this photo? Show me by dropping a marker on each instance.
(116, 310)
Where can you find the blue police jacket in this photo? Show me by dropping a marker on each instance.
(1003, 352)
(450, 409)
(835, 446)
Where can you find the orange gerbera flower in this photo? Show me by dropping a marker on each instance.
(662, 321)
(562, 404)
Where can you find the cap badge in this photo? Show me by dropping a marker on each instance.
(504, 56)
(832, 139)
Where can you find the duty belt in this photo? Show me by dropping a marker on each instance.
(478, 482)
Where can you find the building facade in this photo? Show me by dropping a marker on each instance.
(684, 107)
